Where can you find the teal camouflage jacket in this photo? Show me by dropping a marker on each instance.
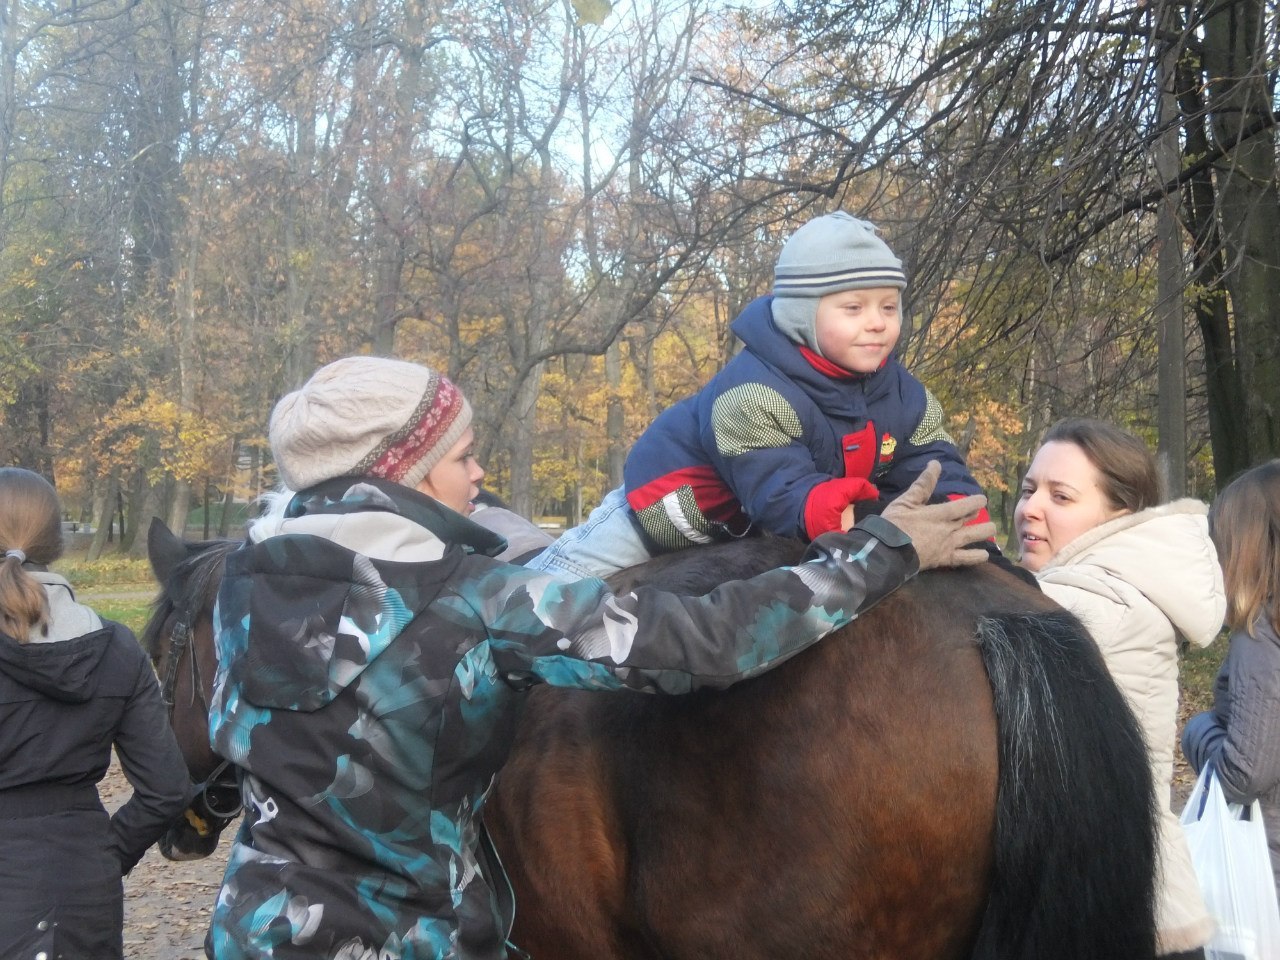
(372, 663)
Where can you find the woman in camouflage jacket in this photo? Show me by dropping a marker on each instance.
(373, 657)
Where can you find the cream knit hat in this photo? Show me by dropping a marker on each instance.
(367, 416)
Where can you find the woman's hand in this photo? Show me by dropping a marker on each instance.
(940, 532)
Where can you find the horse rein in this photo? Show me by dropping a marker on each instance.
(216, 801)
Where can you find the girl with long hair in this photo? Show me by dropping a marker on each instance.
(72, 686)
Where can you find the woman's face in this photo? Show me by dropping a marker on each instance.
(455, 480)
(1061, 498)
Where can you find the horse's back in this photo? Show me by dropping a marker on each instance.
(840, 805)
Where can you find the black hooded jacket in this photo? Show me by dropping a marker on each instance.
(63, 705)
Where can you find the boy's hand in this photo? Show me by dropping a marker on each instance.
(829, 505)
(940, 532)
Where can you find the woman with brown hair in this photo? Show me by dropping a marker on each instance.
(72, 686)
(1240, 736)
(1142, 575)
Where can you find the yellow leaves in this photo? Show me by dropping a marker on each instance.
(997, 430)
(302, 260)
(149, 429)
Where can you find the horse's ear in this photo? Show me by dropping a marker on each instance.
(164, 550)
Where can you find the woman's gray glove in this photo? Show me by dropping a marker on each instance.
(939, 531)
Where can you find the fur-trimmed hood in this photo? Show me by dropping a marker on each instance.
(1165, 553)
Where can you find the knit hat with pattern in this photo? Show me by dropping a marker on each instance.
(367, 416)
(827, 255)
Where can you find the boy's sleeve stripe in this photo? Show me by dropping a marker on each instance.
(930, 429)
(753, 417)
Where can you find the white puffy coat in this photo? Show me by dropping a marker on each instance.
(1139, 583)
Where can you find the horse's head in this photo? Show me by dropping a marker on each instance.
(179, 639)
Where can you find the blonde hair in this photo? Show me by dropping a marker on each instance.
(1244, 522)
(30, 523)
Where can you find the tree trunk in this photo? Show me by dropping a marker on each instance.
(615, 417)
(184, 308)
(228, 505)
(395, 204)
(1171, 454)
(140, 519)
(1240, 90)
(1228, 434)
(27, 422)
(521, 439)
(104, 504)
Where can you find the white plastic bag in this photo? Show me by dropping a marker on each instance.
(1229, 850)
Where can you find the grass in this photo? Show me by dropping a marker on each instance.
(107, 573)
(132, 613)
(1196, 673)
(118, 588)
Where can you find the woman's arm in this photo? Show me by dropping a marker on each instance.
(153, 765)
(579, 634)
(1245, 749)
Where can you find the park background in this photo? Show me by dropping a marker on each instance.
(563, 203)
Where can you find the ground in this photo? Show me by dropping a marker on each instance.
(166, 904)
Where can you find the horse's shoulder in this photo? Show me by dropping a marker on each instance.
(698, 570)
(985, 589)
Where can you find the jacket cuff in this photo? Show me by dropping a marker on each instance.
(884, 531)
(1201, 739)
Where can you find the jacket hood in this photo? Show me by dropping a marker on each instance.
(68, 619)
(1166, 554)
(64, 670)
(303, 614)
(845, 396)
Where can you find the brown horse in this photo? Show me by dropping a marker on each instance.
(179, 640)
(954, 775)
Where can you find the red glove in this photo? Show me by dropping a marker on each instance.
(824, 509)
(982, 517)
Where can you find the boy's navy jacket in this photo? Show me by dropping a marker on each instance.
(783, 440)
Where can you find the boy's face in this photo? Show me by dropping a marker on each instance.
(858, 329)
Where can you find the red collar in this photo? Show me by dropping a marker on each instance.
(827, 368)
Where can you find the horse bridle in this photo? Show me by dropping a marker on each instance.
(216, 800)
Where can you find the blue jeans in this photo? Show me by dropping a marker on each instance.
(607, 542)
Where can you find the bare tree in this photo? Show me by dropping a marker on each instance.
(1029, 131)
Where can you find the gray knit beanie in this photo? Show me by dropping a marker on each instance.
(827, 255)
(367, 416)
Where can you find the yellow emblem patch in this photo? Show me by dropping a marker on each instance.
(887, 446)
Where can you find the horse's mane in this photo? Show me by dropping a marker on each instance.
(195, 579)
